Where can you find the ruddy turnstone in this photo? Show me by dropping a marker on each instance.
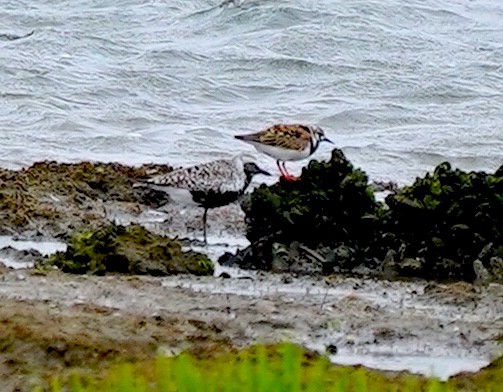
(208, 185)
(286, 142)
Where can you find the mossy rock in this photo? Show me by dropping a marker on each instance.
(447, 219)
(331, 204)
(128, 249)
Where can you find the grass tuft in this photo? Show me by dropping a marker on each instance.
(283, 368)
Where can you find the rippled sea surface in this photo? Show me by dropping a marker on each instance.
(399, 86)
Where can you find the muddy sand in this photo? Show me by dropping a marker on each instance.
(53, 321)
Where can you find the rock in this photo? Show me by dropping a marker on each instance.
(227, 259)
(244, 258)
(287, 279)
(150, 267)
(280, 258)
(389, 267)
(343, 256)
(331, 349)
(326, 204)
(486, 251)
(482, 275)
(381, 186)
(496, 268)
(411, 266)
(305, 261)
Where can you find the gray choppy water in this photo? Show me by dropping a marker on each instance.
(398, 86)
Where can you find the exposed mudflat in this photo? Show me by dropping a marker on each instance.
(428, 328)
(53, 322)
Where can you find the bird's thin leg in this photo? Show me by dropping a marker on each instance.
(285, 171)
(205, 215)
(287, 175)
(281, 170)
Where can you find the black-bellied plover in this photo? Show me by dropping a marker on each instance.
(208, 185)
(286, 142)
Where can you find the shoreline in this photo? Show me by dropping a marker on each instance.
(397, 325)
(392, 326)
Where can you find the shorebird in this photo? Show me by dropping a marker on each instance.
(208, 185)
(286, 142)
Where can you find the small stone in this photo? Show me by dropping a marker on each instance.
(334, 324)
(486, 250)
(279, 258)
(331, 349)
(287, 279)
(168, 351)
(388, 267)
(481, 273)
(411, 266)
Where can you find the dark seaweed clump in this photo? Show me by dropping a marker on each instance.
(447, 220)
(436, 228)
(332, 205)
(128, 249)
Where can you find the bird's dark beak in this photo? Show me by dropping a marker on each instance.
(265, 173)
(326, 139)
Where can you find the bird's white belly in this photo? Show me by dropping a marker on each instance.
(177, 195)
(283, 154)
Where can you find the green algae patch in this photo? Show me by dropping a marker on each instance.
(283, 367)
(128, 249)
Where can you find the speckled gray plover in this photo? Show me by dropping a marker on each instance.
(208, 185)
(286, 142)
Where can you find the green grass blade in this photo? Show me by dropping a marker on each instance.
(291, 368)
(360, 381)
(315, 381)
(187, 377)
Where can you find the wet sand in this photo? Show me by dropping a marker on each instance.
(434, 329)
(53, 322)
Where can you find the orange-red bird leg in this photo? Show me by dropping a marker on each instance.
(287, 176)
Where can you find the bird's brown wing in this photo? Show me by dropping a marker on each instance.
(290, 136)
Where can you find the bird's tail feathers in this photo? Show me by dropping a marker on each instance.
(140, 184)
